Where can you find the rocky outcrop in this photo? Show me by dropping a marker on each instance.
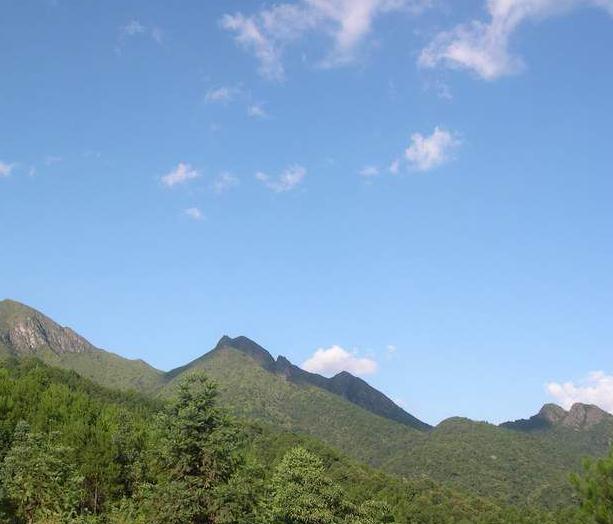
(25, 331)
(579, 417)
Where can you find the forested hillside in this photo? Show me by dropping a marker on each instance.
(525, 462)
(74, 452)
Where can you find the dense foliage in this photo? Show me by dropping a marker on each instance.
(74, 452)
(596, 489)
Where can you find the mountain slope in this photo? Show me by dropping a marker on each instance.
(344, 384)
(253, 392)
(27, 332)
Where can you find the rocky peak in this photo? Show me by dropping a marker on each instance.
(579, 417)
(584, 416)
(24, 330)
(552, 413)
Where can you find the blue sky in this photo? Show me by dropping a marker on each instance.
(417, 191)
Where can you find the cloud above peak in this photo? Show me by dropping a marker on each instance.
(483, 47)
(596, 389)
(335, 359)
(268, 32)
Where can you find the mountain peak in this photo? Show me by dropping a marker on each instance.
(552, 413)
(248, 347)
(343, 384)
(584, 416)
(23, 331)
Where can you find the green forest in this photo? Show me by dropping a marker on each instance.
(75, 452)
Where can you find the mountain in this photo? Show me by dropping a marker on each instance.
(27, 332)
(344, 384)
(527, 460)
(252, 387)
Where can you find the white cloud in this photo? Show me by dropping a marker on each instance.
(291, 177)
(335, 359)
(221, 94)
(132, 28)
(428, 152)
(5, 169)
(194, 213)
(249, 36)
(369, 171)
(179, 175)
(257, 111)
(596, 389)
(348, 22)
(483, 47)
(394, 168)
(224, 182)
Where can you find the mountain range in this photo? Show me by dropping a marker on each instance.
(521, 461)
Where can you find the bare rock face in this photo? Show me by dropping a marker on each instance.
(552, 413)
(24, 331)
(584, 416)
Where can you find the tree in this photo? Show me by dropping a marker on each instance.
(198, 452)
(39, 478)
(303, 494)
(595, 489)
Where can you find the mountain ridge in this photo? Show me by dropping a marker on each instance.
(485, 459)
(344, 384)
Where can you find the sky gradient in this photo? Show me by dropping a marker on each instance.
(416, 191)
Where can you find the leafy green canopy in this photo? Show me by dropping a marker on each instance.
(74, 452)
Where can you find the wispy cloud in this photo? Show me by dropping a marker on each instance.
(134, 28)
(483, 47)
(221, 94)
(289, 179)
(224, 182)
(257, 111)
(269, 31)
(179, 175)
(428, 152)
(194, 213)
(5, 169)
(333, 360)
(596, 389)
(369, 171)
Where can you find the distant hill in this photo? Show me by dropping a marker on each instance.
(522, 461)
